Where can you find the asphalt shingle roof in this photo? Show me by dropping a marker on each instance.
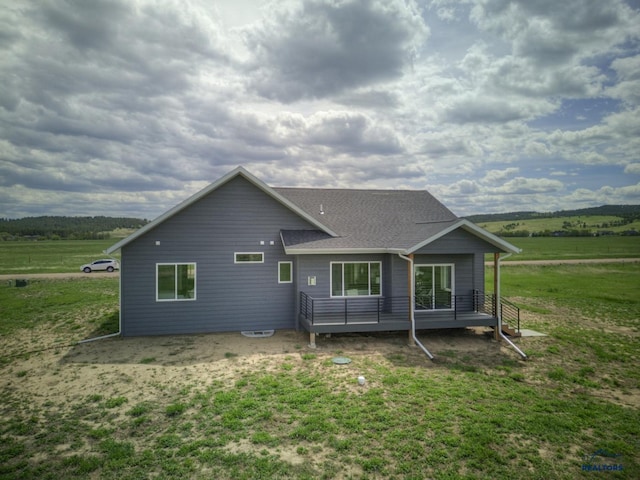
(345, 220)
(367, 219)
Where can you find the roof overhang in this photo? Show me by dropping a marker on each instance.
(466, 225)
(473, 229)
(237, 172)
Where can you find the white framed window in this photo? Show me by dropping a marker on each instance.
(285, 272)
(355, 279)
(248, 257)
(175, 282)
(434, 286)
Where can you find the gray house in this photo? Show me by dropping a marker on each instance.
(240, 255)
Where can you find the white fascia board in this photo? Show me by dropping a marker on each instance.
(471, 228)
(210, 188)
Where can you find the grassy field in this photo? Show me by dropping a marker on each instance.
(111, 409)
(50, 256)
(593, 223)
(554, 248)
(62, 256)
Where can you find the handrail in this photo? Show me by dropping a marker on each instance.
(486, 303)
(511, 312)
(342, 310)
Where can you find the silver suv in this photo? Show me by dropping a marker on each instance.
(107, 264)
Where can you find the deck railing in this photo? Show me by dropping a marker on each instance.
(486, 303)
(349, 310)
(353, 309)
(510, 313)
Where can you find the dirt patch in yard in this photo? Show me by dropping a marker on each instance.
(44, 369)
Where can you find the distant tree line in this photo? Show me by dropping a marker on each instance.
(628, 213)
(67, 228)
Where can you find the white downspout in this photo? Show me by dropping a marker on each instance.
(412, 306)
(98, 338)
(499, 309)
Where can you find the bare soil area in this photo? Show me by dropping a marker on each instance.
(148, 368)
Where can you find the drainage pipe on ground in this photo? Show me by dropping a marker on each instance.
(499, 308)
(98, 338)
(412, 306)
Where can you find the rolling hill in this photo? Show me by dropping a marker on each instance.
(604, 220)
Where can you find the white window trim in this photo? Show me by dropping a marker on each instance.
(290, 272)
(195, 283)
(235, 257)
(452, 281)
(331, 264)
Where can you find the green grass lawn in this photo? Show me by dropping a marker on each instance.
(61, 306)
(474, 414)
(553, 248)
(609, 290)
(50, 256)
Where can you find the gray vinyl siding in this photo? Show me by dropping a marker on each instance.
(459, 241)
(230, 297)
(399, 276)
(462, 242)
(236, 217)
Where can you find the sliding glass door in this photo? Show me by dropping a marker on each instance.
(434, 287)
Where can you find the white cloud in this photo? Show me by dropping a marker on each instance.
(125, 106)
(498, 177)
(527, 186)
(321, 48)
(606, 195)
(550, 32)
(632, 168)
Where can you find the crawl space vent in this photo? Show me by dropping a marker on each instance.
(258, 333)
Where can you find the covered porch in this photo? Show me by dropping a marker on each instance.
(367, 314)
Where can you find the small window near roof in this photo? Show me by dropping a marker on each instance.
(285, 272)
(249, 257)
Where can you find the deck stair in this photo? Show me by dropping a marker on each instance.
(507, 330)
(510, 314)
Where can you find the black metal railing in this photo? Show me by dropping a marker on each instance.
(351, 310)
(510, 313)
(486, 303)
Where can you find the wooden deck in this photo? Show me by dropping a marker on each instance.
(379, 314)
(387, 323)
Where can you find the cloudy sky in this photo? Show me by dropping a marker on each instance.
(127, 107)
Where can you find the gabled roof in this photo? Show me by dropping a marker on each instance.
(351, 221)
(375, 221)
(237, 172)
